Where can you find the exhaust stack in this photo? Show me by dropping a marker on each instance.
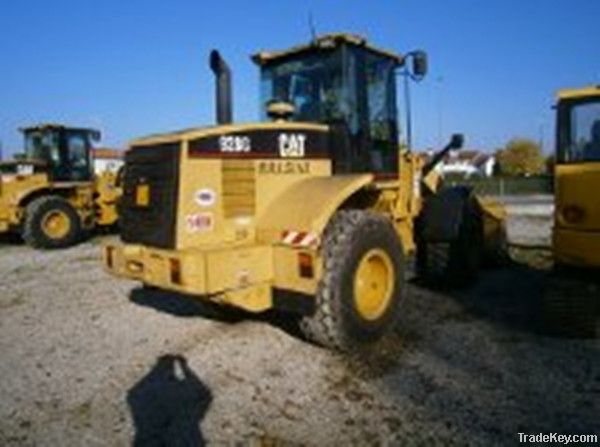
(223, 94)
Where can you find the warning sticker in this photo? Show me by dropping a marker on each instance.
(202, 222)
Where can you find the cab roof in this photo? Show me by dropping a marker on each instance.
(55, 126)
(579, 93)
(324, 42)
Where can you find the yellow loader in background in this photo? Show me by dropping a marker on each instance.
(314, 210)
(50, 195)
(571, 302)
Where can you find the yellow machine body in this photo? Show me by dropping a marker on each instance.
(17, 190)
(260, 220)
(95, 201)
(48, 171)
(576, 236)
(237, 214)
(247, 227)
(107, 191)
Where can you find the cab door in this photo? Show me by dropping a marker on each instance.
(75, 161)
(578, 196)
(577, 175)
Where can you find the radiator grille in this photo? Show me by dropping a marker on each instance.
(155, 168)
(239, 187)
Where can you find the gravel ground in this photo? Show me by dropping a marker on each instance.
(91, 360)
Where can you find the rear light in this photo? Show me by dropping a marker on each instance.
(135, 267)
(175, 268)
(305, 265)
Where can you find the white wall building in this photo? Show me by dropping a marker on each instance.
(107, 160)
(468, 164)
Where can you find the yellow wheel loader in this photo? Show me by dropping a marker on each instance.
(315, 210)
(49, 195)
(571, 301)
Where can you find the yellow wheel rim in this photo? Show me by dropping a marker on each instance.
(374, 284)
(56, 224)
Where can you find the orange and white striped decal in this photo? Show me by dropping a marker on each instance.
(299, 238)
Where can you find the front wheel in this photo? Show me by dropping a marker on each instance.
(454, 263)
(51, 222)
(359, 295)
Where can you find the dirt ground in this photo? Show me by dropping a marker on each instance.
(91, 360)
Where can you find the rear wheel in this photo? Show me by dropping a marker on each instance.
(359, 296)
(51, 222)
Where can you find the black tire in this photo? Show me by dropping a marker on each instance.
(455, 263)
(336, 322)
(498, 254)
(569, 308)
(33, 227)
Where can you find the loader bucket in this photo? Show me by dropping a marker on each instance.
(495, 237)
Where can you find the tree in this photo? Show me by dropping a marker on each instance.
(521, 157)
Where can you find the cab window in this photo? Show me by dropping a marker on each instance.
(381, 106)
(579, 131)
(77, 156)
(42, 145)
(585, 131)
(312, 83)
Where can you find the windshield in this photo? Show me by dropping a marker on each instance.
(41, 145)
(312, 83)
(580, 131)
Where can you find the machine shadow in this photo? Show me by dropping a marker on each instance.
(508, 296)
(181, 305)
(186, 306)
(168, 404)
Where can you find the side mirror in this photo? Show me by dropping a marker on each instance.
(419, 63)
(457, 141)
(95, 135)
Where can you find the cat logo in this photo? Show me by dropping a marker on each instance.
(292, 145)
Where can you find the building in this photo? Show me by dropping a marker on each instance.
(467, 163)
(107, 159)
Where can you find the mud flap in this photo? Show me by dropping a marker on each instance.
(449, 238)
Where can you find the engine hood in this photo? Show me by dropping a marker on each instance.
(22, 167)
(254, 140)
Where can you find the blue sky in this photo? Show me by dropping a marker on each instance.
(140, 66)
